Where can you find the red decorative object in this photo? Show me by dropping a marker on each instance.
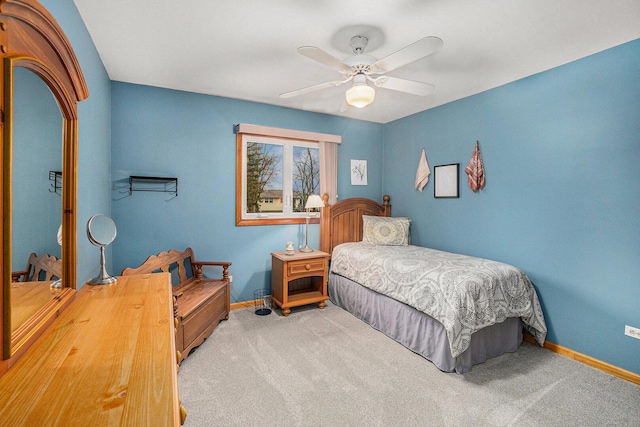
(475, 170)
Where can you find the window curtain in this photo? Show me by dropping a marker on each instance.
(329, 170)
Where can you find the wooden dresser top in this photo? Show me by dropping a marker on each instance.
(108, 360)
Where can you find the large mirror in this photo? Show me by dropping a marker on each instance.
(36, 201)
(42, 83)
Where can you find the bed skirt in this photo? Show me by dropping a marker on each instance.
(426, 336)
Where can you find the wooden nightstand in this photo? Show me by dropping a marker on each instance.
(299, 279)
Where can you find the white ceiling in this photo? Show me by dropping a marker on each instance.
(246, 49)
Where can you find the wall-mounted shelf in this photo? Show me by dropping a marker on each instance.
(56, 182)
(153, 183)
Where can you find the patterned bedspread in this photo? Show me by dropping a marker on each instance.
(463, 293)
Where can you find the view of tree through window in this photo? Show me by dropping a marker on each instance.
(280, 176)
(306, 175)
(264, 175)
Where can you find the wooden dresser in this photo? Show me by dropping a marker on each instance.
(108, 360)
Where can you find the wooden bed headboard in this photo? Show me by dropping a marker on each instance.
(342, 221)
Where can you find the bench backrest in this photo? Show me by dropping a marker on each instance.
(45, 267)
(172, 261)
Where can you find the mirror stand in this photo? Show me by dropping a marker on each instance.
(101, 231)
(103, 278)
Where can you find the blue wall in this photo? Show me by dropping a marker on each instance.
(160, 132)
(561, 152)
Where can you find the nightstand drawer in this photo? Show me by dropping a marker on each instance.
(307, 266)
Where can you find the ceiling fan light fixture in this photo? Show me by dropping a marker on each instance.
(360, 95)
(360, 67)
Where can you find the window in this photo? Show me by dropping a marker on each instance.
(277, 171)
(279, 175)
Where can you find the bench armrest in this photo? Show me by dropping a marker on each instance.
(16, 275)
(224, 265)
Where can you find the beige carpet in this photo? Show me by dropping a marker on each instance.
(327, 368)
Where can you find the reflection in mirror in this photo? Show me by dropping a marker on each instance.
(101, 231)
(37, 212)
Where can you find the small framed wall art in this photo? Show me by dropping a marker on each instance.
(358, 172)
(446, 181)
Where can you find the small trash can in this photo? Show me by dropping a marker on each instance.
(262, 302)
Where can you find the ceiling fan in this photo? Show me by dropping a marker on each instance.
(361, 68)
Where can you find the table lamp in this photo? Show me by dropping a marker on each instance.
(313, 201)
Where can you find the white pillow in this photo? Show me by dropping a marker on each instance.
(381, 230)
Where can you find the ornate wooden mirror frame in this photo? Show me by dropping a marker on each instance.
(31, 38)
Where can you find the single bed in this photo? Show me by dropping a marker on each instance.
(454, 310)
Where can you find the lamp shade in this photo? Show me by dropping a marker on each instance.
(314, 201)
(360, 95)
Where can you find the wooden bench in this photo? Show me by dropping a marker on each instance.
(199, 303)
(45, 267)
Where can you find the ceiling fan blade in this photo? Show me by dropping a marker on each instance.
(403, 85)
(411, 53)
(344, 107)
(313, 88)
(323, 57)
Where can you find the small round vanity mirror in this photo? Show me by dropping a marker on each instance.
(101, 231)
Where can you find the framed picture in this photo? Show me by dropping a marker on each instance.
(358, 172)
(446, 182)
